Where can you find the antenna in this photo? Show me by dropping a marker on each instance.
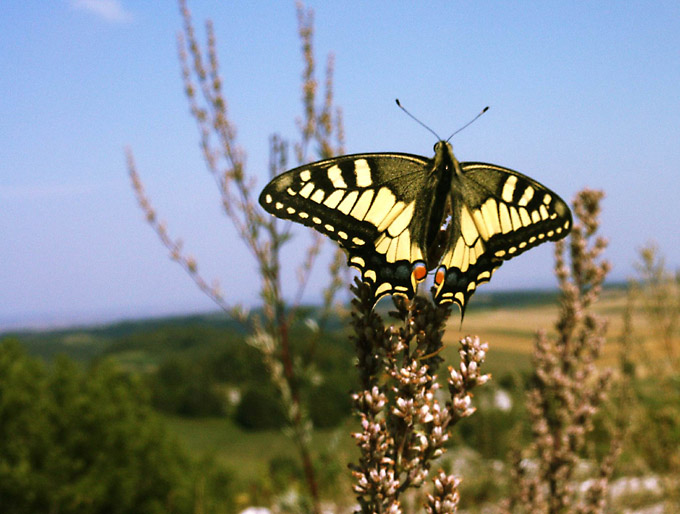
(417, 120)
(468, 123)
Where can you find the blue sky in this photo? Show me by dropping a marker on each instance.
(581, 94)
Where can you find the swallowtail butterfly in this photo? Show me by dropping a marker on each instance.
(399, 215)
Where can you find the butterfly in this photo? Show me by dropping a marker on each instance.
(399, 216)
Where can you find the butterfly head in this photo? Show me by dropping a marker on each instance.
(444, 160)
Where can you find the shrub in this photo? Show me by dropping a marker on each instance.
(80, 441)
(185, 388)
(328, 405)
(259, 410)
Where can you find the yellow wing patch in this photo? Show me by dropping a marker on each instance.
(363, 173)
(335, 176)
(381, 206)
(361, 207)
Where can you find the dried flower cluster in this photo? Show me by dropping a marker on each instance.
(262, 235)
(567, 386)
(404, 422)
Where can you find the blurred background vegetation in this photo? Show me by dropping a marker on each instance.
(176, 414)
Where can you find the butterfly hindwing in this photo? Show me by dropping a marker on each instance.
(501, 214)
(369, 204)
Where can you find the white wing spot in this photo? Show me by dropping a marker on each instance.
(509, 188)
(278, 205)
(544, 212)
(307, 190)
(316, 220)
(490, 213)
(291, 191)
(404, 249)
(481, 224)
(358, 241)
(384, 287)
(547, 199)
(363, 173)
(416, 254)
(383, 244)
(334, 199)
(457, 258)
(391, 255)
(466, 259)
(335, 176)
(303, 215)
(526, 197)
(506, 224)
(358, 261)
(467, 227)
(524, 216)
(317, 196)
(391, 216)
(483, 275)
(348, 202)
(479, 249)
(342, 235)
(361, 207)
(305, 175)
(402, 221)
(514, 216)
(290, 210)
(370, 275)
(268, 199)
(551, 233)
(329, 228)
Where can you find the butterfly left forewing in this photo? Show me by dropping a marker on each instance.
(500, 214)
(369, 204)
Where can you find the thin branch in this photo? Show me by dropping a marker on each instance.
(174, 246)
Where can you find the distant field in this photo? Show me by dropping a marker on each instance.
(249, 452)
(511, 331)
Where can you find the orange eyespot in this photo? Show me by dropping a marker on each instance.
(440, 275)
(419, 271)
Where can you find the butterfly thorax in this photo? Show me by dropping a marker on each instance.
(445, 171)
